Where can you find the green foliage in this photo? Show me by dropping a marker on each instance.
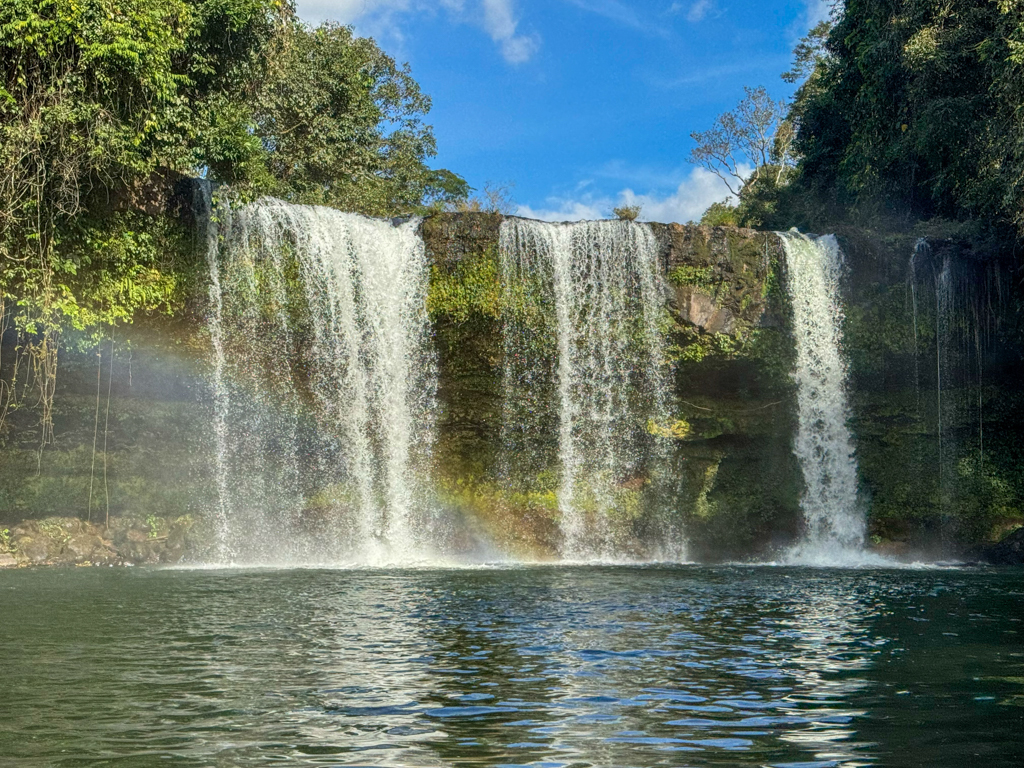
(686, 274)
(523, 522)
(472, 287)
(675, 429)
(914, 105)
(763, 200)
(881, 325)
(88, 93)
(620, 502)
(722, 214)
(104, 104)
(810, 54)
(340, 123)
(985, 499)
(55, 528)
(694, 345)
(96, 101)
(626, 212)
(703, 508)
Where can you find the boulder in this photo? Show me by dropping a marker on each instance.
(7, 560)
(32, 550)
(1009, 551)
(88, 547)
(26, 528)
(174, 546)
(140, 550)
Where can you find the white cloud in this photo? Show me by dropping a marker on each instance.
(814, 11)
(618, 12)
(348, 11)
(692, 197)
(501, 24)
(817, 10)
(699, 10)
(648, 176)
(707, 75)
(386, 19)
(567, 210)
(694, 10)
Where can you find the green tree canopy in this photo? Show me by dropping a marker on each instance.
(104, 103)
(342, 124)
(917, 107)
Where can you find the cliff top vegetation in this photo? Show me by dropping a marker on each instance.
(105, 104)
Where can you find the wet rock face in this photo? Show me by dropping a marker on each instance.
(727, 339)
(451, 238)
(718, 277)
(701, 310)
(721, 276)
(1009, 551)
(88, 547)
(716, 283)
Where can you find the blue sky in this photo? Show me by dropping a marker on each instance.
(583, 104)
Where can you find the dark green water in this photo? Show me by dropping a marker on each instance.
(687, 666)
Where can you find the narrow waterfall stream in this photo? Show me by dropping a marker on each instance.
(595, 287)
(823, 444)
(221, 397)
(944, 325)
(319, 312)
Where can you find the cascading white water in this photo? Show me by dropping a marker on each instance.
(823, 444)
(596, 287)
(203, 204)
(314, 307)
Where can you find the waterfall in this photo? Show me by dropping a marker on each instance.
(962, 291)
(921, 249)
(323, 387)
(203, 204)
(823, 445)
(584, 302)
(944, 326)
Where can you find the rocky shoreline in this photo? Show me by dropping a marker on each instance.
(68, 541)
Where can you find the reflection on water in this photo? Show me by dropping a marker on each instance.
(541, 666)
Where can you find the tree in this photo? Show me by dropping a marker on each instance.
(721, 214)
(101, 101)
(88, 101)
(752, 140)
(810, 54)
(915, 107)
(493, 198)
(342, 124)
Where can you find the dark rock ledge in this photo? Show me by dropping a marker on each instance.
(69, 541)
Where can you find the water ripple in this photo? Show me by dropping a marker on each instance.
(541, 667)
